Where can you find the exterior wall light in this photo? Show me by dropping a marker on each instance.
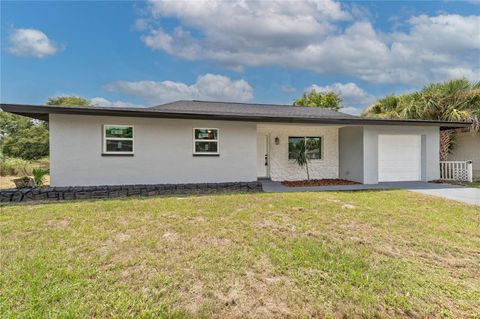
(277, 140)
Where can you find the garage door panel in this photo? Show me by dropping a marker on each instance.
(399, 158)
(389, 177)
(402, 164)
(392, 155)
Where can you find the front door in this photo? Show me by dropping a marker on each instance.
(262, 156)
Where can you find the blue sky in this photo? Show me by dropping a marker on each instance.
(147, 53)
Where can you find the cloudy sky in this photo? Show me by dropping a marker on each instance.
(147, 53)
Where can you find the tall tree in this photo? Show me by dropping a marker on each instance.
(454, 100)
(22, 137)
(313, 98)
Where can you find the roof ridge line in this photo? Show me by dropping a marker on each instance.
(253, 104)
(243, 103)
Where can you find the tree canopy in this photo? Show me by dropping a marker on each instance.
(313, 98)
(23, 137)
(454, 100)
(68, 101)
(26, 138)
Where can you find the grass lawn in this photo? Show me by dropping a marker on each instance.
(475, 183)
(360, 254)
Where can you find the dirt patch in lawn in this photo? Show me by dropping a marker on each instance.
(6, 182)
(259, 292)
(319, 182)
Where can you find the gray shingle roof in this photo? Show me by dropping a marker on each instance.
(224, 111)
(250, 109)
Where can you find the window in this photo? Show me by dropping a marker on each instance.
(311, 145)
(118, 139)
(205, 141)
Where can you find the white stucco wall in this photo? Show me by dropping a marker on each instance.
(430, 149)
(281, 168)
(163, 152)
(467, 148)
(351, 153)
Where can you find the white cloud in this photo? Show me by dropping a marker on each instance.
(31, 42)
(442, 34)
(306, 35)
(103, 102)
(458, 72)
(258, 27)
(207, 87)
(353, 97)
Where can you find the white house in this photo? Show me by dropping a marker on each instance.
(210, 142)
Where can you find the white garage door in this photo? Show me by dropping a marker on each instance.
(399, 158)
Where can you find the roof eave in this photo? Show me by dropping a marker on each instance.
(42, 113)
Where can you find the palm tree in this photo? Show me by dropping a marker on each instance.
(454, 100)
(299, 155)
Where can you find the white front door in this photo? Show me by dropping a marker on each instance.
(399, 158)
(262, 155)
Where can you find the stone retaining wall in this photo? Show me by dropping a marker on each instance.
(94, 192)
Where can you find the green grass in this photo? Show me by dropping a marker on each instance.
(475, 183)
(360, 254)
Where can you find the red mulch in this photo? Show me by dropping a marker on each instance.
(319, 182)
(439, 181)
(445, 181)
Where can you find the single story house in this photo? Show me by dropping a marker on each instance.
(214, 142)
(467, 148)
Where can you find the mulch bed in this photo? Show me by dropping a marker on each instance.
(449, 181)
(441, 181)
(318, 182)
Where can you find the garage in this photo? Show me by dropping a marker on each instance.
(399, 158)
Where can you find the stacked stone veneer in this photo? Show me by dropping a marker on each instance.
(95, 192)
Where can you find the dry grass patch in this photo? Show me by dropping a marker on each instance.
(326, 255)
(6, 182)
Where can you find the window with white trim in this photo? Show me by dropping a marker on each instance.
(205, 141)
(117, 139)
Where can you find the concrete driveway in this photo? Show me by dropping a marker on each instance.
(454, 192)
(467, 195)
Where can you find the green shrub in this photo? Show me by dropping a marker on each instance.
(38, 175)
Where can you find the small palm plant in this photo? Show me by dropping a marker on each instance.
(299, 155)
(38, 175)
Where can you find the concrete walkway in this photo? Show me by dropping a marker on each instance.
(454, 192)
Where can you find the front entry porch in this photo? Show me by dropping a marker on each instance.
(275, 162)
